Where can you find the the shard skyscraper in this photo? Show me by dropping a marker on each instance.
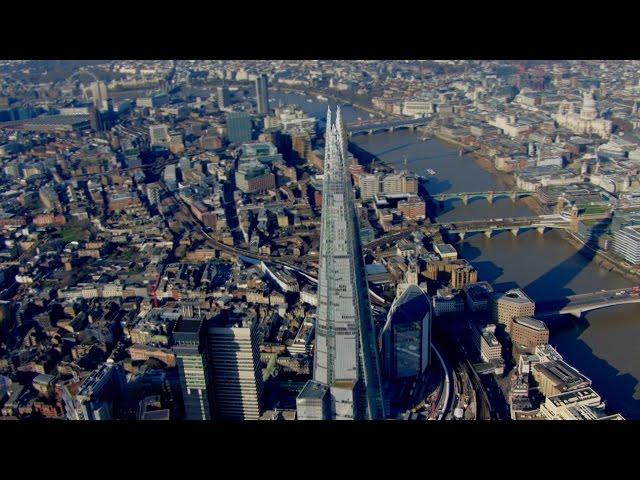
(346, 376)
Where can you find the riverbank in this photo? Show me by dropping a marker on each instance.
(538, 208)
(332, 96)
(504, 179)
(598, 257)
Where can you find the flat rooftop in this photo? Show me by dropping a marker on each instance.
(562, 374)
(313, 390)
(574, 396)
(514, 295)
(444, 248)
(188, 325)
(531, 322)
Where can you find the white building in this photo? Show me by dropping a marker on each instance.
(413, 108)
(626, 243)
(585, 122)
(159, 135)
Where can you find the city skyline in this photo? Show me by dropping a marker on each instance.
(413, 240)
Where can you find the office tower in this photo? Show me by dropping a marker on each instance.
(238, 127)
(406, 337)
(462, 274)
(345, 348)
(153, 193)
(486, 342)
(95, 119)
(169, 175)
(626, 243)
(254, 177)
(99, 95)
(176, 143)
(313, 402)
(369, 186)
(190, 350)
(508, 305)
(413, 208)
(301, 144)
(234, 354)
(528, 332)
(95, 397)
(262, 94)
(6, 317)
(224, 97)
(159, 136)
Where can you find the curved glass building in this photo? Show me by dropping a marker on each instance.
(406, 337)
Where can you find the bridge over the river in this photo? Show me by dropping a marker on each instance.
(541, 223)
(487, 226)
(578, 304)
(490, 196)
(389, 125)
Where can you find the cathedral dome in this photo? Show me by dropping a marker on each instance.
(589, 111)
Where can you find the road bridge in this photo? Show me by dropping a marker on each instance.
(389, 125)
(576, 305)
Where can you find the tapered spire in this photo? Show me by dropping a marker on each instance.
(345, 354)
(341, 134)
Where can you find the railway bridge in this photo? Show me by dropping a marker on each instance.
(490, 196)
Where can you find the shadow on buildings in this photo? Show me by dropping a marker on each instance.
(605, 377)
(558, 278)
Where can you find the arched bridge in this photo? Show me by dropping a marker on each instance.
(515, 225)
(372, 127)
(576, 305)
(488, 226)
(489, 196)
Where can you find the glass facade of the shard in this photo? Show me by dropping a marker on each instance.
(345, 351)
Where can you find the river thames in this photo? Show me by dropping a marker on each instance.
(603, 344)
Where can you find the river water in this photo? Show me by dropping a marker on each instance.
(603, 344)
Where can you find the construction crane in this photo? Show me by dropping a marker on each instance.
(153, 289)
(522, 68)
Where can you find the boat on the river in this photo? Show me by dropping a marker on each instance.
(431, 171)
(322, 98)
